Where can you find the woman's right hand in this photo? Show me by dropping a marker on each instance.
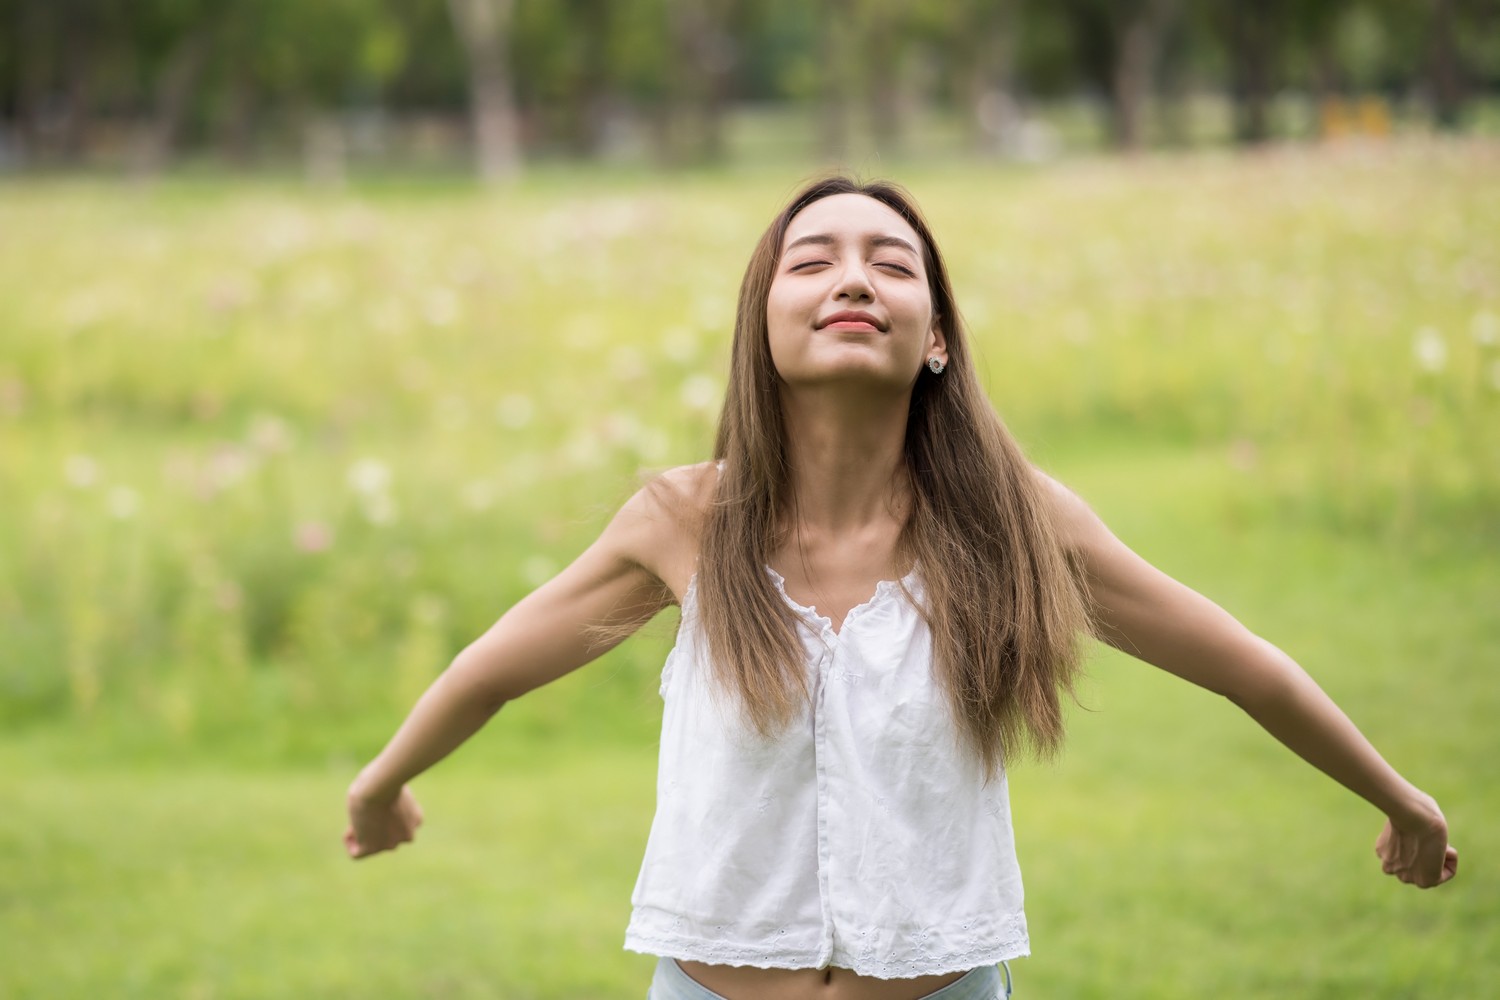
(1416, 849)
(380, 824)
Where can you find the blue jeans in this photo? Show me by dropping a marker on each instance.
(984, 983)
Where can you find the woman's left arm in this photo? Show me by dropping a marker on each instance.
(1149, 615)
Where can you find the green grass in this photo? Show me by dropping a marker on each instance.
(269, 456)
(1176, 851)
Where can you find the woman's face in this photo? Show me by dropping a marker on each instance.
(849, 299)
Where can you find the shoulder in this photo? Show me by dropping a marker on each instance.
(1078, 527)
(675, 498)
(659, 527)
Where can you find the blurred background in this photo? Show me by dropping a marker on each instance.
(329, 330)
(144, 86)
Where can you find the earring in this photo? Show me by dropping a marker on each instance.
(935, 365)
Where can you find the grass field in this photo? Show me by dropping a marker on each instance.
(270, 456)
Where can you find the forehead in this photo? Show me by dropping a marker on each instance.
(850, 215)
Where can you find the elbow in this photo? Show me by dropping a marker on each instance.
(1265, 679)
(478, 685)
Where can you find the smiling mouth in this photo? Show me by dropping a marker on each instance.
(851, 321)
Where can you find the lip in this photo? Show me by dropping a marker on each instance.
(850, 321)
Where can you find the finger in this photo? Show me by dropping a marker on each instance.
(351, 845)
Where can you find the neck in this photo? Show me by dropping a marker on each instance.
(847, 456)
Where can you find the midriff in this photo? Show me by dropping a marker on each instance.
(743, 982)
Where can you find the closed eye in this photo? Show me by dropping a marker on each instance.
(808, 263)
(899, 268)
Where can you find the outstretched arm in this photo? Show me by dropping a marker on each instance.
(1151, 616)
(607, 591)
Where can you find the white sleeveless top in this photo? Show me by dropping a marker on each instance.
(864, 836)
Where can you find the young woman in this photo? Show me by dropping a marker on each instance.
(882, 605)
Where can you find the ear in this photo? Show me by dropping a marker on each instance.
(937, 344)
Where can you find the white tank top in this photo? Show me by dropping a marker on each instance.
(864, 836)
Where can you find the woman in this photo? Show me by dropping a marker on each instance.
(882, 606)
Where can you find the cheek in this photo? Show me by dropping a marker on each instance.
(782, 317)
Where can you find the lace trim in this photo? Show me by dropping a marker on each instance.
(821, 623)
(665, 944)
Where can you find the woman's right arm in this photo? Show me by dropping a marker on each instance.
(610, 590)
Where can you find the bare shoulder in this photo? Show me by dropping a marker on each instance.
(660, 526)
(1076, 523)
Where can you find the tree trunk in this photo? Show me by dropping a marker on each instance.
(77, 55)
(1444, 76)
(237, 125)
(1138, 45)
(705, 60)
(1172, 92)
(1250, 44)
(483, 28)
(990, 76)
(588, 111)
(837, 62)
(36, 59)
(173, 90)
(883, 50)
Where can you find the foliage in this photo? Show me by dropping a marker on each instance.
(271, 457)
(232, 75)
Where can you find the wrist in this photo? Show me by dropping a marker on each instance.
(370, 787)
(1415, 810)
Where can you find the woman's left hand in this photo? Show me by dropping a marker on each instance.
(380, 824)
(1418, 852)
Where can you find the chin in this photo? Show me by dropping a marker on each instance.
(848, 373)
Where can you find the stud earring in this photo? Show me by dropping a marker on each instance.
(935, 365)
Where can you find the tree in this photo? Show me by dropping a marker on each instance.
(704, 57)
(483, 29)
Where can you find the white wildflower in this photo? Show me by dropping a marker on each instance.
(679, 345)
(269, 433)
(515, 411)
(626, 362)
(700, 393)
(369, 477)
(621, 428)
(467, 267)
(122, 503)
(228, 465)
(233, 291)
(479, 495)
(1430, 349)
(441, 308)
(711, 312)
(1486, 328)
(81, 471)
(386, 316)
(583, 451)
(82, 309)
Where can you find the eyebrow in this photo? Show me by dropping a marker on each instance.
(824, 239)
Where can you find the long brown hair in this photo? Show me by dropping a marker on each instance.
(1004, 608)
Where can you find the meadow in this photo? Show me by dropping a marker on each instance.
(270, 455)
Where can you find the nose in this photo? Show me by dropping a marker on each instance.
(853, 282)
